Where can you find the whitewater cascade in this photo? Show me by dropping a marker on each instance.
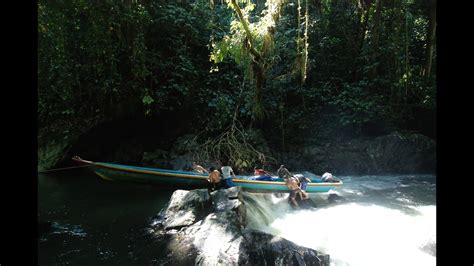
(384, 221)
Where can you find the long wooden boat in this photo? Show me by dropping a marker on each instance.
(186, 179)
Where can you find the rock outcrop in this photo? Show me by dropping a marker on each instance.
(210, 230)
(394, 153)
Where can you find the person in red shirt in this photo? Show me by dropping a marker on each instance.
(258, 171)
(262, 174)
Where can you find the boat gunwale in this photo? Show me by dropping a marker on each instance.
(191, 175)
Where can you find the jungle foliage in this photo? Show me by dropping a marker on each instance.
(370, 63)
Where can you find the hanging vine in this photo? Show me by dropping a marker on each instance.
(251, 45)
(301, 60)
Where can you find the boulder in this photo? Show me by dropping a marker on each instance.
(260, 248)
(334, 198)
(180, 156)
(203, 229)
(184, 209)
(230, 199)
(394, 153)
(402, 153)
(51, 153)
(183, 144)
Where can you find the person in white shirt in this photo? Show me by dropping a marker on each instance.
(227, 173)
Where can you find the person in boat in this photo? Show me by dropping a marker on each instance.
(283, 173)
(303, 182)
(199, 169)
(227, 173)
(292, 184)
(214, 180)
(262, 174)
(328, 177)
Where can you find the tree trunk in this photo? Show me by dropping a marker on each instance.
(430, 40)
(375, 32)
(245, 24)
(363, 14)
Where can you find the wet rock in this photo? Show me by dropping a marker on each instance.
(184, 209)
(334, 198)
(259, 248)
(214, 239)
(219, 237)
(51, 153)
(230, 199)
(302, 203)
(429, 248)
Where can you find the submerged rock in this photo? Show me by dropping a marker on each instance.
(302, 203)
(334, 198)
(210, 230)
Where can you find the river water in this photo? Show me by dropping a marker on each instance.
(94, 221)
(383, 220)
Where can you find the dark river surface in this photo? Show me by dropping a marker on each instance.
(384, 220)
(93, 221)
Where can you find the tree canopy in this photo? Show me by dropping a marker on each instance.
(272, 64)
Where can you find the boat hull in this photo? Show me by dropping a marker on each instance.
(183, 179)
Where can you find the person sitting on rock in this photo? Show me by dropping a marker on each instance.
(303, 182)
(199, 169)
(214, 180)
(292, 184)
(328, 177)
(227, 173)
(283, 173)
(262, 175)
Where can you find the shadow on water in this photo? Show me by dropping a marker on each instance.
(91, 220)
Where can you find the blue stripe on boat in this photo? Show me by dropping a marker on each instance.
(193, 179)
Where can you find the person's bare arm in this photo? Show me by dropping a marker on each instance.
(202, 169)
